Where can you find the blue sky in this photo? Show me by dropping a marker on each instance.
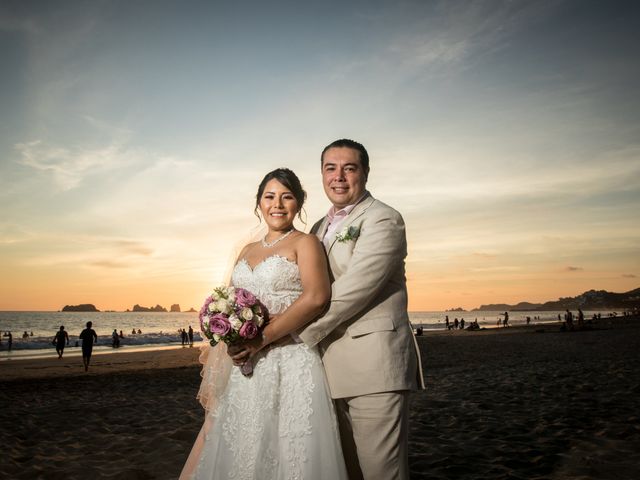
(134, 135)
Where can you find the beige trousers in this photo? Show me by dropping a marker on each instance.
(374, 431)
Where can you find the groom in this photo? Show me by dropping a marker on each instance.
(369, 353)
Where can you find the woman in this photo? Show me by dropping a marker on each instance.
(279, 422)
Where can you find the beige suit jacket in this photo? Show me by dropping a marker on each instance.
(365, 337)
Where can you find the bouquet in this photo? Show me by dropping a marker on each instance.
(230, 315)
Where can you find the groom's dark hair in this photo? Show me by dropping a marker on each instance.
(345, 142)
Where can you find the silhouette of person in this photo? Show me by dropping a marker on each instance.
(183, 336)
(446, 322)
(569, 319)
(505, 322)
(455, 323)
(9, 340)
(25, 334)
(462, 324)
(88, 335)
(61, 339)
(580, 319)
(115, 339)
(190, 336)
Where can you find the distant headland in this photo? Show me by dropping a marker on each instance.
(591, 300)
(85, 307)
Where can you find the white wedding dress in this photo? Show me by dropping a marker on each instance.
(280, 422)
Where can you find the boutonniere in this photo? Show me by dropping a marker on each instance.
(348, 233)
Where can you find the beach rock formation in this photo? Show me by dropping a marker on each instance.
(85, 307)
(175, 307)
(157, 308)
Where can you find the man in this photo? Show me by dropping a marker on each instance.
(88, 336)
(369, 352)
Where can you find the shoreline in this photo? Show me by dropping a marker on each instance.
(154, 356)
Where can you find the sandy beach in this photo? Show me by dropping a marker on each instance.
(512, 403)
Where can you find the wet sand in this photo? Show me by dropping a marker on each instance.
(530, 402)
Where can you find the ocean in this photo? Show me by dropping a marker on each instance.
(161, 330)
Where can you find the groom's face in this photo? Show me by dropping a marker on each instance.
(343, 177)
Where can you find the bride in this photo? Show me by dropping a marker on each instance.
(278, 423)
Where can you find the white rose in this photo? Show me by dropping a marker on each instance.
(246, 313)
(216, 337)
(212, 307)
(235, 322)
(259, 321)
(223, 306)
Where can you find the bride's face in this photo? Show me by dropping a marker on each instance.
(278, 206)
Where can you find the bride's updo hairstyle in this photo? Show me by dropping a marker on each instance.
(290, 180)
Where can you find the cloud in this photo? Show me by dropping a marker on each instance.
(109, 264)
(629, 275)
(573, 269)
(69, 166)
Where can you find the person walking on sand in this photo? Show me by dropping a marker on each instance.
(88, 336)
(61, 339)
(190, 336)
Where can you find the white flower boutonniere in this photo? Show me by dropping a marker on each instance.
(348, 233)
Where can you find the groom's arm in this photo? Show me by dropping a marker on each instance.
(378, 254)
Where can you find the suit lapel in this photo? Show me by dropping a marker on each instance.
(352, 217)
(320, 228)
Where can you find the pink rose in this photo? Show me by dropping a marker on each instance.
(248, 330)
(219, 324)
(244, 298)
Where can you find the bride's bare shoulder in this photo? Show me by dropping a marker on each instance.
(305, 240)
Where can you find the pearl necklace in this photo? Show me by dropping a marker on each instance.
(266, 244)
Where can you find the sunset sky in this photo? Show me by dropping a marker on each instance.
(134, 135)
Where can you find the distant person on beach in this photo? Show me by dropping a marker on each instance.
(61, 339)
(190, 336)
(139, 332)
(580, 319)
(446, 322)
(505, 322)
(455, 323)
(568, 318)
(25, 334)
(183, 336)
(133, 331)
(462, 324)
(9, 340)
(121, 335)
(88, 336)
(115, 339)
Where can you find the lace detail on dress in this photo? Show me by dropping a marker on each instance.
(278, 423)
(275, 281)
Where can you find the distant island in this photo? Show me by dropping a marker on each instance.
(85, 307)
(459, 309)
(191, 310)
(138, 308)
(591, 300)
(175, 308)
